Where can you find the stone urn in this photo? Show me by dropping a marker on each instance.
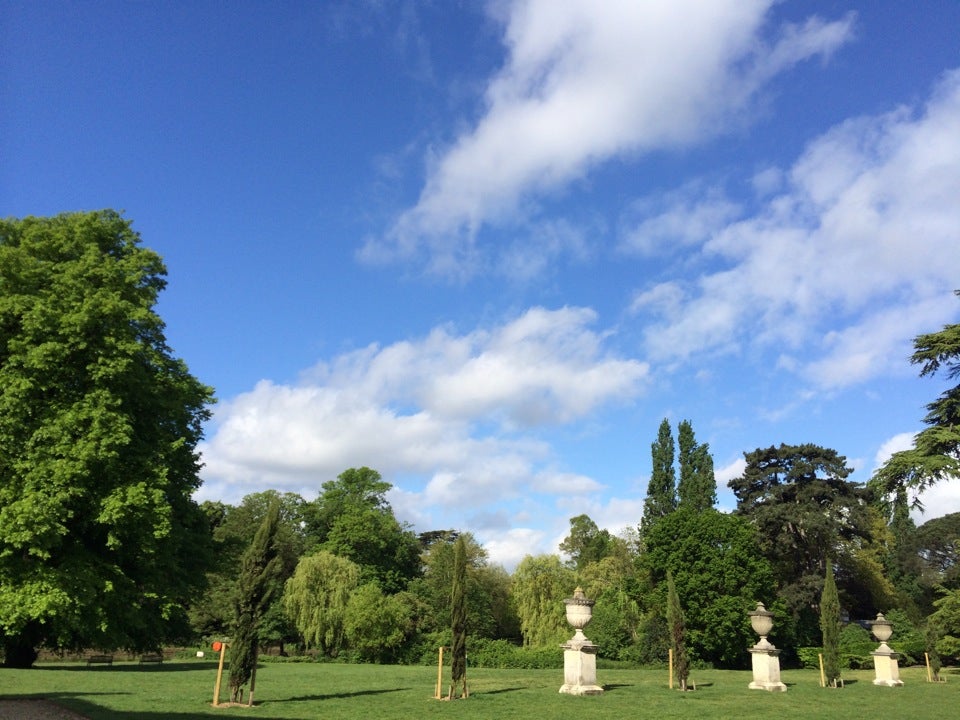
(579, 615)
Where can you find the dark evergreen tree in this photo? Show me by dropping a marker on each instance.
(830, 627)
(259, 570)
(675, 620)
(458, 619)
(697, 487)
(935, 455)
(803, 507)
(661, 497)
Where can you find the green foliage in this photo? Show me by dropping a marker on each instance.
(661, 499)
(377, 625)
(353, 519)
(830, 627)
(540, 584)
(945, 622)
(719, 576)
(586, 543)
(489, 609)
(678, 632)
(101, 544)
(616, 614)
(697, 488)
(316, 599)
(935, 455)
(487, 653)
(259, 569)
(458, 619)
(802, 505)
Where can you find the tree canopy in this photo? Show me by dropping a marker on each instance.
(661, 497)
(804, 508)
(935, 455)
(353, 519)
(101, 544)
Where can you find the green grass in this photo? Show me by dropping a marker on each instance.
(184, 691)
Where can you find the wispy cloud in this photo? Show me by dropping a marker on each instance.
(584, 82)
(459, 412)
(839, 271)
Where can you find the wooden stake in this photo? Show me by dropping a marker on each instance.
(670, 661)
(823, 675)
(439, 674)
(216, 688)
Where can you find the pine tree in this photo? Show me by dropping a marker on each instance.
(458, 619)
(259, 571)
(661, 497)
(830, 627)
(677, 625)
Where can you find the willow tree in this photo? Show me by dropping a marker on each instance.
(316, 598)
(458, 620)
(830, 627)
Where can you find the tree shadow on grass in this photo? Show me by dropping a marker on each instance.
(133, 667)
(86, 708)
(498, 692)
(336, 696)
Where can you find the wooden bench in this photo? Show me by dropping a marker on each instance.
(151, 658)
(100, 660)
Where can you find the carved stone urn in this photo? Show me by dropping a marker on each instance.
(765, 656)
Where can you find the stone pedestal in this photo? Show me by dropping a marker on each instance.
(580, 667)
(887, 669)
(766, 667)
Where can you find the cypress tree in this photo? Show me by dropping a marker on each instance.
(259, 571)
(830, 627)
(677, 625)
(458, 619)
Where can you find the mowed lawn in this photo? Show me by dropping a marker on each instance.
(184, 691)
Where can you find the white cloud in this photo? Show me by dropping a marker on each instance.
(846, 265)
(586, 81)
(452, 420)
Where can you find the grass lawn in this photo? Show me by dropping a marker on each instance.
(184, 691)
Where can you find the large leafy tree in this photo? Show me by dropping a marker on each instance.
(718, 574)
(316, 599)
(101, 543)
(586, 542)
(935, 456)
(805, 510)
(352, 518)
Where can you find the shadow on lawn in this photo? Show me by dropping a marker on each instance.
(88, 708)
(132, 667)
(336, 696)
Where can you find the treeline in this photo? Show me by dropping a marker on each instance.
(353, 583)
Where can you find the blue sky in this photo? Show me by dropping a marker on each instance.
(485, 247)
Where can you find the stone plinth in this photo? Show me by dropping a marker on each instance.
(580, 667)
(886, 666)
(766, 667)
